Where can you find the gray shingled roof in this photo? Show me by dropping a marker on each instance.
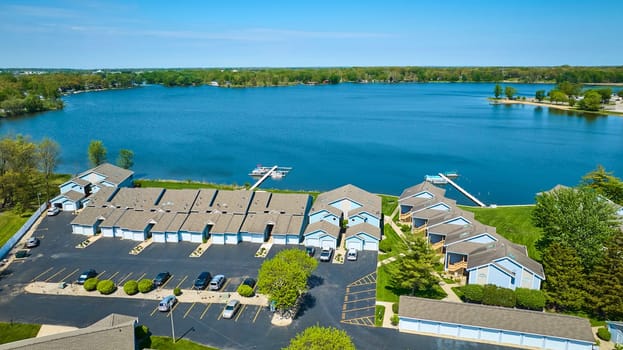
(197, 222)
(112, 173)
(473, 230)
(330, 229)
(288, 225)
(369, 202)
(178, 201)
(137, 198)
(112, 218)
(203, 203)
(424, 186)
(259, 203)
(532, 322)
(488, 253)
(232, 201)
(256, 223)
(136, 220)
(90, 215)
(363, 227)
(289, 203)
(227, 223)
(169, 222)
(73, 195)
(102, 197)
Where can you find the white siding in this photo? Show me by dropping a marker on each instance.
(429, 327)
(231, 238)
(511, 337)
(186, 236)
(469, 332)
(490, 335)
(327, 242)
(88, 230)
(69, 206)
(246, 237)
(138, 236)
(159, 237)
(552, 343)
(196, 238)
(257, 238)
(218, 239)
(281, 239)
(449, 329)
(292, 239)
(108, 232)
(371, 245)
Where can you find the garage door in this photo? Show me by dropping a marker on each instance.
(196, 238)
(69, 206)
(293, 239)
(257, 238)
(371, 245)
(77, 229)
(354, 244)
(159, 237)
(138, 236)
(246, 237)
(88, 230)
(231, 239)
(312, 242)
(327, 243)
(279, 239)
(218, 239)
(186, 236)
(107, 232)
(126, 234)
(173, 237)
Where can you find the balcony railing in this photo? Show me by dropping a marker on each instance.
(457, 266)
(406, 217)
(438, 245)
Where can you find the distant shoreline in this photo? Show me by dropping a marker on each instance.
(552, 105)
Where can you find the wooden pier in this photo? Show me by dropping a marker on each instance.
(460, 189)
(263, 178)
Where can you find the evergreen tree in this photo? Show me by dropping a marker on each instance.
(564, 287)
(606, 287)
(605, 183)
(414, 270)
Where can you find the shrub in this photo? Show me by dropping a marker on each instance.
(473, 293)
(530, 299)
(245, 290)
(145, 285)
(130, 287)
(498, 296)
(379, 315)
(90, 284)
(385, 246)
(394, 320)
(142, 336)
(603, 333)
(395, 308)
(177, 291)
(106, 287)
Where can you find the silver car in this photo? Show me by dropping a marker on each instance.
(231, 308)
(167, 303)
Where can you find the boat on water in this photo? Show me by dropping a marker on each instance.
(259, 171)
(451, 174)
(279, 172)
(435, 179)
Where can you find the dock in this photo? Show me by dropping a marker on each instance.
(463, 191)
(263, 178)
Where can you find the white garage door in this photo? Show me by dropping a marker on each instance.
(279, 239)
(69, 206)
(159, 238)
(196, 238)
(126, 234)
(138, 236)
(88, 230)
(354, 244)
(246, 237)
(231, 239)
(371, 245)
(293, 239)
(327, 243)
(312, 242)
(186, 236)
(173, 237)
(108, 232)
(77, 229)
(257, 238)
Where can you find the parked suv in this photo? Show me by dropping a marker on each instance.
(326, 254)
(202, 280)
(161, 279)
(217, 282)
(90, 273)
(351, 254)
(167, 303)
(53, 211)
(32, 242)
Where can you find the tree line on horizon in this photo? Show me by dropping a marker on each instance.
(22, 93)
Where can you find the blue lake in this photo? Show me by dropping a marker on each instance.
(382, 138)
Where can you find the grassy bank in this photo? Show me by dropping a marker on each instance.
(513, 223)
(10, 332)
(10, 222)
(166, 343)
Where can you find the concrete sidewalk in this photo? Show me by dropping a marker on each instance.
(387, 323)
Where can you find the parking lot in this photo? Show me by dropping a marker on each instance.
(340, 295)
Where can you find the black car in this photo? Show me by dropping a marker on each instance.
(202, 280)
(161, 278)
(90, 273)
(248, 282)
(311, 251)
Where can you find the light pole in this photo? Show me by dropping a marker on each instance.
(39, 198)
(172, 326)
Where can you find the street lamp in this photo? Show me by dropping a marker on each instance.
(39, 199)
(172, 326)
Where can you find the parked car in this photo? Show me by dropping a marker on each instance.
(326, 254)
(167, 303)
(248, 282)
(32, 242)
(231, 308)
(90, 273)
(21, 254)
(311, 251)
(202, 280)
(161, 278)
(217, 282)
(351, 254)
(53, 211)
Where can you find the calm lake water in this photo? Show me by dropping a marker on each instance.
(382, 138)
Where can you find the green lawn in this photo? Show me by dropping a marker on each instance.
(10, 222)
(514, 223)
(384, 292)
(389, 203)
(10, 332)
(166, 343)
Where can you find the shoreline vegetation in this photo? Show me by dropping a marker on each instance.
(27, 91)
(563, 107)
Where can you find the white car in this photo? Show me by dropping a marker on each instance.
(167, 303)
(53, 211)
(351, 254)
(326, 254)
(231, 308)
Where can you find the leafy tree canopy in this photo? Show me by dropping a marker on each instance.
(605, 183)
(97, 152)
(414, 270)
(321, 338)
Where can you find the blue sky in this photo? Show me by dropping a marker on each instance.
(143, 34)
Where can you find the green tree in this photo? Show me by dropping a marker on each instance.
(19, 178)
(540, 95)
(49, 152)
(558, 96)
(569, 89)
(510, 92)
(620, 93)
(97, 152)
(590, 102)
(605, 93)
(284, 277)
(321, 338)
(605, 183)
(125, 159)
(575, 217)
(414, 270)
(564, 287)
(497, 91)
(606, 287)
